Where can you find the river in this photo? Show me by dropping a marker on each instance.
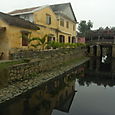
(86, 90)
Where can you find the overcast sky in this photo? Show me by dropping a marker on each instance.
(100, 12)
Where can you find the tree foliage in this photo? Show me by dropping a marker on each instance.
(84, 27)
(40, 42)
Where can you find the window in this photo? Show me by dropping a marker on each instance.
(48, 19)
(73, 40)
(49, 39)
(61, 39)
(28, 17)
(61, 22)
(73, 27)
(67, 24)
(69, 39)
(24, 39)
(53, 38)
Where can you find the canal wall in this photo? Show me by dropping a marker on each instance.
(21, 54)
(13, 91)
(45, 61)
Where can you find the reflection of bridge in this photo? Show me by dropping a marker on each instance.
(88, 79)
(98, 73)
(101, 74)
(96, 68)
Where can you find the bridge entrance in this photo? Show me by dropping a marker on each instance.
(104, 51)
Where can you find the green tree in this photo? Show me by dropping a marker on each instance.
(89, 25)
(113, 28)
(40, 42)
(85, 28)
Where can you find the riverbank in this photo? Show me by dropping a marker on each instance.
(18, 88)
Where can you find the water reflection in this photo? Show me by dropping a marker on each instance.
(56, 94)
(3, 77)
(98, 72)
(104, 58)
(59, 96)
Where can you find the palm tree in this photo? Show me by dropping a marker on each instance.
(42, 42)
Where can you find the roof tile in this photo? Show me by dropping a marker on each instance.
(14, 21)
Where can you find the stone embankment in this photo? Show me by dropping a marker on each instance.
(45, 61)
(26, 76)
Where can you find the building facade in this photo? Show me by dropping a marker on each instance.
(66, 22)
(14, 34)
(58, 21)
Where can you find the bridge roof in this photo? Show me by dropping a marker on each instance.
(105, 33)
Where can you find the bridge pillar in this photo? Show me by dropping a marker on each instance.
(98, 50)
(113, 66)
(114, 40)
(113, 51)
(94, 50)
(98, 65)
(91, 51)
(90, 65)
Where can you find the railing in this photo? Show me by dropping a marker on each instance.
(112, 41)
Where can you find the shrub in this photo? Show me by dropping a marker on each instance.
(55, 45)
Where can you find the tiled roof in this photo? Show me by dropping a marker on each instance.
(14, 21)
(23, 10)
(57, 8)
(62, 9)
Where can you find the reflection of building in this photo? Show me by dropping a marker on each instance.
(55, 94)
(66, 103)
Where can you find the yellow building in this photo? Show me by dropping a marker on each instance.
(57, 20)
(14, 33)
(66, 22)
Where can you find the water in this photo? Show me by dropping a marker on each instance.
(87, 90)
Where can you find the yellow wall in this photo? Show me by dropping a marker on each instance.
(4, 41)
(16, 36)
(11, 39)
(66, 31)
(40, 18)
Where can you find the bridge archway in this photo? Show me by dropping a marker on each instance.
(100, 50)
(106, 50)
(94, 50)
